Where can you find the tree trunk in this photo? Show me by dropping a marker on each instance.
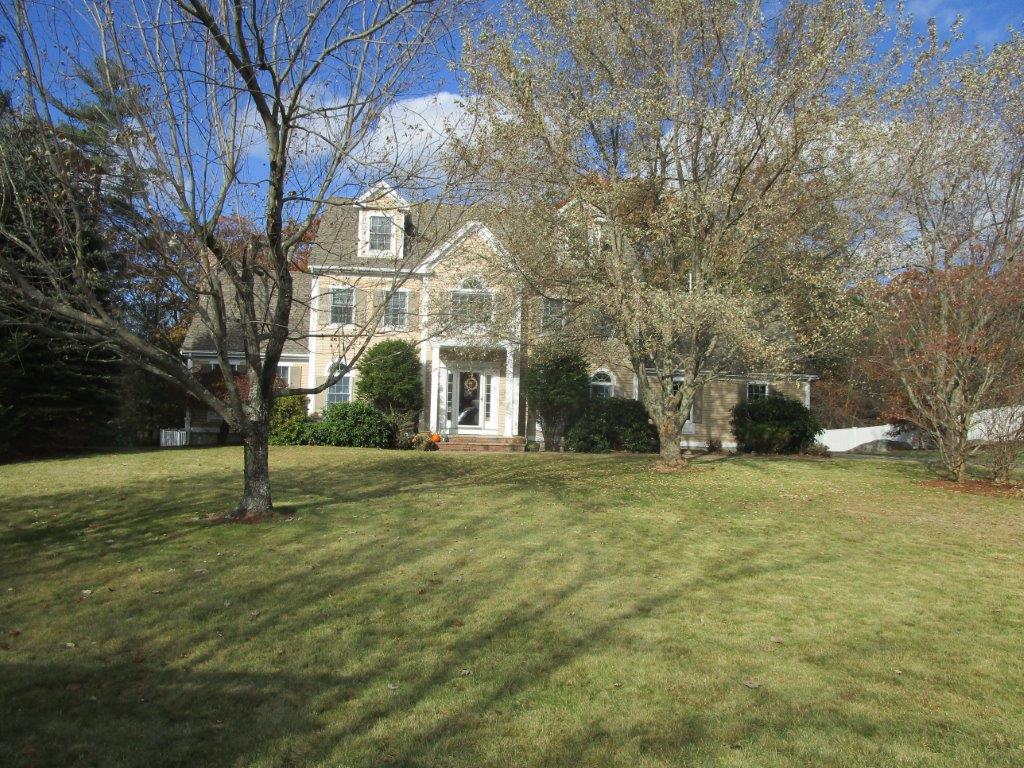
(953, 453)
(256, 503)
(957, 466)
(669, 432)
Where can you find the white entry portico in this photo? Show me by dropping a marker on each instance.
(474, 390)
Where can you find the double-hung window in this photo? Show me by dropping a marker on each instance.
(396, 311)
(380, 233)
(340, 391)
(757, 390)
(553, 315)
(343, 306)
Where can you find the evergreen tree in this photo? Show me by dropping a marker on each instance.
(56, 394)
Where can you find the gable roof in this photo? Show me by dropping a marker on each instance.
(200, 339)
(382, 192)
(429, 227)
(475, 227)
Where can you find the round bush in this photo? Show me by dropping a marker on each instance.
(590, 434)
(389, 378)
(774, 424)
(354, 424)
(613, 424)
(289, 424)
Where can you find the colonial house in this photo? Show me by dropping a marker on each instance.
(438, 277)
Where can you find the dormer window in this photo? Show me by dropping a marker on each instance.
(380, 233)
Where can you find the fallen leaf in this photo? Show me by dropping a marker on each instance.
(777, 640)
(751, 684)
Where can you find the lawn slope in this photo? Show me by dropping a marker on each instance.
(522, 610)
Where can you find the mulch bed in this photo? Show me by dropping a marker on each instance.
(980, 487)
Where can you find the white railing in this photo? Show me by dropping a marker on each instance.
(173, 438)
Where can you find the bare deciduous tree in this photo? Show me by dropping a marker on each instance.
(952, 319)
(691, 173)
(232, 111)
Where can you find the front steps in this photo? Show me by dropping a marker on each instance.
(483, 444)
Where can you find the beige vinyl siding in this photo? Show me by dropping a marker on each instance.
(718, 398)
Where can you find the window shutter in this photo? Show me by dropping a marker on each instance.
(698, 406)
(360, 311)
(379, 297)
(323, 304)
(294, 377)
(413, 310)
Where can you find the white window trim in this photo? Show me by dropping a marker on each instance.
(389, 233)
(397, 232)
(767, 388)
(544, 315)
(330, 311)
(383, 325)
(484, 291)
(351, 385)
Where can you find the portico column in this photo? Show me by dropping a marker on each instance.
(435, 380)
(511, 393)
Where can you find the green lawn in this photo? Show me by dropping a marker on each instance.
(507, 610)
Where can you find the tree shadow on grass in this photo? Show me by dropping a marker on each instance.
(124, 714)
(340, 708)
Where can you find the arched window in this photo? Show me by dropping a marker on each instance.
(602, 384)
(472, 303)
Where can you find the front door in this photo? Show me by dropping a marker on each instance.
(470, 410)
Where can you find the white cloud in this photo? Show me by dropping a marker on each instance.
(409, 134)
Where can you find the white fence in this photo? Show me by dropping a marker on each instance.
(839, 440)
(996, 422)
(173, 438)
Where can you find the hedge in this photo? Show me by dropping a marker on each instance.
(612, 424)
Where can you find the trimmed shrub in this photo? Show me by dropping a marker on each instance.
(556, 385)
(289, 424)
(389, 378)
(356, 424)
(774, 424)
(613, 424)
(590, 434)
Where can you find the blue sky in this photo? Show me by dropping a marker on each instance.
(433, 104)
(985, 21)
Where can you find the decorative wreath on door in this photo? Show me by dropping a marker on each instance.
(470, 384)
